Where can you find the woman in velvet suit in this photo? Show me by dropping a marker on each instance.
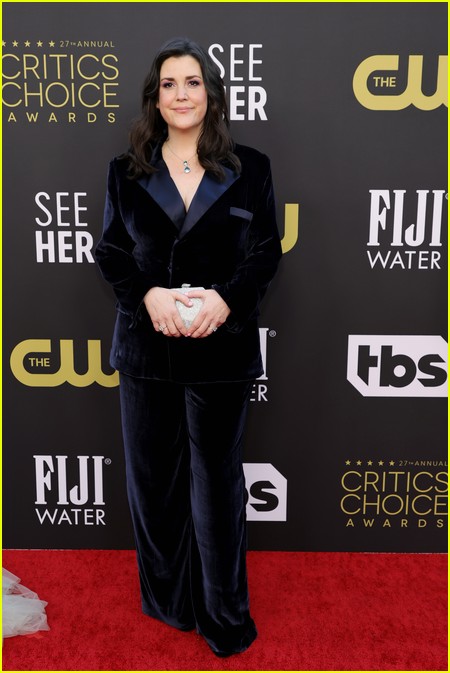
(185, 205)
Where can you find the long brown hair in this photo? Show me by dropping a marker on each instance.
(215, 145)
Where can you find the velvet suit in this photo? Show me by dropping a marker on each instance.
(184, 400)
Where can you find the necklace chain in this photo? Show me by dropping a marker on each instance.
(186, 167)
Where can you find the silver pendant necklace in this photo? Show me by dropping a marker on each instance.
(186, 167)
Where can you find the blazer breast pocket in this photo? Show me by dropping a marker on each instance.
(240, 212)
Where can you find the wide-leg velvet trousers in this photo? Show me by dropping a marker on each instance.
(185, 481)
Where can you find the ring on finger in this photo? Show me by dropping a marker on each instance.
(162, 328)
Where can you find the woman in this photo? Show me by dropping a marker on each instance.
(187, 206)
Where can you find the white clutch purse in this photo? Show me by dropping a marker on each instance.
(188, 313)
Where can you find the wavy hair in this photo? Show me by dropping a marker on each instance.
(215, 145)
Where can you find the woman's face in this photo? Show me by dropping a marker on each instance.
(183, 99)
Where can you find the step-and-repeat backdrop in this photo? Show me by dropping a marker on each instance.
(346, 443)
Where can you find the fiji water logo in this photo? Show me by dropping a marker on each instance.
(260, 389)
(69, 490)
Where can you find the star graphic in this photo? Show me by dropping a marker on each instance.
(39, 43)
(391, 463)
(348, 462)
(51, 43)
(381, 462)
(27, 43)
(15, 43)
(370, 462)
(3, 43)
(359, 462)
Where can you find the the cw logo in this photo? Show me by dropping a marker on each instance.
(290, 226)
(33, 350)
(412, 95)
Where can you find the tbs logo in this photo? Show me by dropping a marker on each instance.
(397, 366)
(266, 490)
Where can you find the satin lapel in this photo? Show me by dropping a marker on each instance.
(206, 195)
(163, 190)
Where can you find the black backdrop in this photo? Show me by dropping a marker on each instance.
(346, 440)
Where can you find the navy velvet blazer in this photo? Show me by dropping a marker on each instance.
(228, 240)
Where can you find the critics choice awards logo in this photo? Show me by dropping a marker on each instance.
(60, 81)
(394, 493)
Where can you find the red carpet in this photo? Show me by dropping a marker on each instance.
(314, 611)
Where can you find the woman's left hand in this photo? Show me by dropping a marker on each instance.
(211, 316)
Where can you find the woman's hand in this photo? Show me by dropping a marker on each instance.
(211, 316)
(161, 307)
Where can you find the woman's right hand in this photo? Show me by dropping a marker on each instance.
(161, 307)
